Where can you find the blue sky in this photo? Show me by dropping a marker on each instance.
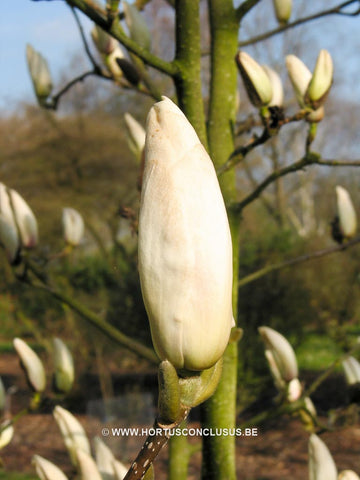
(49, 27)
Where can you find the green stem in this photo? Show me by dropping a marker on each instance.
(220, 410)
(179, 456)
(188, 62)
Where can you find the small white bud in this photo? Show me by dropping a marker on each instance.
(277, 98)
(25, 219)
(139, 31)
(352, 370)
(32, 365)
(256, 80)
(282, 352)
(106, 463)
(348, 475)
(6, 433)
(185, 250)
(73, 226)
(300, 77)
(47, 470)
(282, 10)
(64, 366)
(136, 135)
(103, 42)
(346, 213)
(72, 432)
(40, 74)
(321, 80)
(87, 466)
(294, 390)
(321, 463)
(310, 406)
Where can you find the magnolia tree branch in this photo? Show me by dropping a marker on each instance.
(338, 10)
(294, 261)
(245, 8)
(311, 158)
(84, 40)
(100, 17)
(91, 317)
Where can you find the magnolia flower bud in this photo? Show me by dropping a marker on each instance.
(104, 42)
(294, 390)
(321, 463)
(256, 80)
(47, 470)
(300, 77)
(139, 31)
(346, 213)
(352, 370)
(282, 353)
(282, 10)
(106, 463)
(16, 220)
(73, 226)
(348, 475)
(136, 135)
(73, 433)
(321, 80)
(87, 466)
(6, 433)
(64, 366)
(310, 407)
(40, 74)
(277, 98)
(32, 365)
(185, 251)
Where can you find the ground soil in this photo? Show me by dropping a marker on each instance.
(279, 451)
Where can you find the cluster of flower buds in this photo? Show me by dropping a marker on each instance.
(264, 86)
(344, 226)
(18, 225)
(185, 250)
(40, 74)
(282, 10)
(73, 226)
(322, 465)
(113, 57)
(78, 445)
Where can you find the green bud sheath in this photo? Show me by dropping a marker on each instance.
(169, 393)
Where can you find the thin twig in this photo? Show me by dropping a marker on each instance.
(300, 21)
(85, 43)
(294, 261)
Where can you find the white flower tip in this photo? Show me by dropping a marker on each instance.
(32, 364)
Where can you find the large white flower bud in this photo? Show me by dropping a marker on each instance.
(40, 74)
(73, 433)
(32, 365)
(282, 10)
(46, 470)
(282, 353)
(185, 252)
(346, 213)
(64, 366)
(321, 463)
(256, 80)
(73, 226)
